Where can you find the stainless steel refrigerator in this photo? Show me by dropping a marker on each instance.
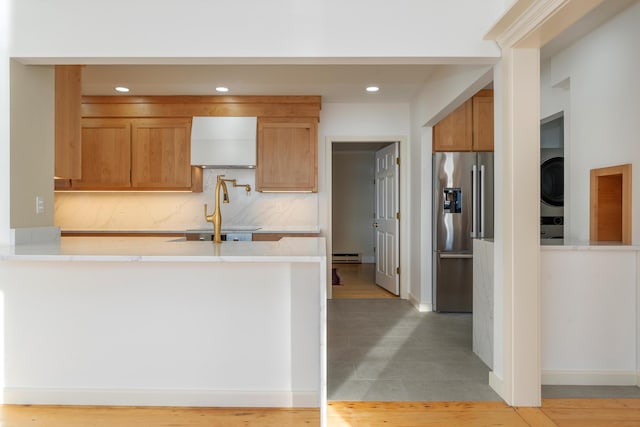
(462, 211)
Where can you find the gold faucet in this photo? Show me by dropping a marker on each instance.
(216, 217)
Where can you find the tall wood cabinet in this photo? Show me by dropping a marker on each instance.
(68, 92)
(287, 154)
(469, 127)
(135, 154)
(483, 121)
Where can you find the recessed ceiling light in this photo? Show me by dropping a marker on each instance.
(122, 89)
(373, 89)
(222, 89)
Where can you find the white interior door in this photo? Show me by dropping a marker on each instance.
(387, 219)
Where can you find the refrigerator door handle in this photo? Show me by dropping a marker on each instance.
(474, 202)
(455, 256)
(481, 210)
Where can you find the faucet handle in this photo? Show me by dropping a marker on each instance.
(208, 218)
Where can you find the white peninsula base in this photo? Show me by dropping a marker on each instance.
(235, 326)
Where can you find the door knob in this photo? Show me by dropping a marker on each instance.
(375, 224)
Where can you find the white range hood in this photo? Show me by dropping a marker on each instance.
(224, 142)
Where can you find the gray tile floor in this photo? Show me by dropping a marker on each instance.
(385, 350)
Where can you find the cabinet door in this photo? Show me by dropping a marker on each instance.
(106, 148)
(483, 121)
(454, 132)
(287, 155)
(160, 155)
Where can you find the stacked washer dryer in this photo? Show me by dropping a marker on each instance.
(552, 179)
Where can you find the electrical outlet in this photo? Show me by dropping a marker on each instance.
(39, 205)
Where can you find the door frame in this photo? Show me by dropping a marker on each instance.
(403, 188)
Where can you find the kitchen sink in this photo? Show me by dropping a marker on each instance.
(230, 236)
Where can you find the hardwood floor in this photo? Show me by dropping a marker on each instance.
(554, 413)
(358, 281)
(109, 416)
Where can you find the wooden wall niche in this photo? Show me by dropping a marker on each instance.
(610, 210)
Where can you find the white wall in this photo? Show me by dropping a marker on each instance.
(363, 119)
(73, 31)
(603, 101)
(365, 122)
(254, 29)
(353, 198)
(181, 211)
(5, 155)
(588, 320)
(32, 144)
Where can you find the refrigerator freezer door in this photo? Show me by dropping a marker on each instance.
(452, 219)
(454, 282)
(485, 164)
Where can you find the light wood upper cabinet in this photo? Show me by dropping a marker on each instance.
(454, 132)
(287, 154)
(68, 93)
(160, 156)
(143, 142)
(106, 155)
(136, 154)
(483, 121)
(469, 127)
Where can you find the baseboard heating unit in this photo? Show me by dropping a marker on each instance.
(351, 258)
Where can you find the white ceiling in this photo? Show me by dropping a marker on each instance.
(335, 83)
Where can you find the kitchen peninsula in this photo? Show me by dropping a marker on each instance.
(164, 321)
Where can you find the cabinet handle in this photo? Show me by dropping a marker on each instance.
(456, 256)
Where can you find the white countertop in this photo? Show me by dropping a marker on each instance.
(230, 229)
(167, 249)
(576, 245)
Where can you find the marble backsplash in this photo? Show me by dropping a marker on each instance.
(168, 211)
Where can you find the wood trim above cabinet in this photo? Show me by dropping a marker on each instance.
(189, 106)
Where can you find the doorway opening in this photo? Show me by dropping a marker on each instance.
(379, 346)
(365, 220)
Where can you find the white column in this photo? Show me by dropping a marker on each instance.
(520, 226)
(4, 123)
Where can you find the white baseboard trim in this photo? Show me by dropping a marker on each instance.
(497, 384)
(420, 306)
(368, 259)
(114, 397)
(590, 378)
(27, 235)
